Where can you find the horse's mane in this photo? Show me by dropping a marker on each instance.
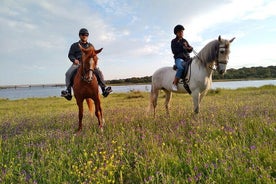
(208, 53)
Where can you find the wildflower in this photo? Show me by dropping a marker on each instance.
(89, 162)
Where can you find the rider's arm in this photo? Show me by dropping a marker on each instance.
(188, 47)
(72, 52)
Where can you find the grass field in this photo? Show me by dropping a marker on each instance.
(232, 140)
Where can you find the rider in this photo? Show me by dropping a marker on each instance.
(75, 57)
(181, 49)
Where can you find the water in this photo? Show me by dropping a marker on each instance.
(242, 84)
(47, 91)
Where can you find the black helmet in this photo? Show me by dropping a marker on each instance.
(178, 28)
(83, 31)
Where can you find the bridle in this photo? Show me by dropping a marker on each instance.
(220, 49)
(90, 71)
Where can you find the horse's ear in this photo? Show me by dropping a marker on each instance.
(219, 38)
(98, 51)
(232, 40)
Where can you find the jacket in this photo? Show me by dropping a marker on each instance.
(75, 52)
(179, 50)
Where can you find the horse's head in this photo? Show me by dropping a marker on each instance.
(223, 54)
(89, 62)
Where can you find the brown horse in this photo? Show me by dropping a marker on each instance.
(86, 86)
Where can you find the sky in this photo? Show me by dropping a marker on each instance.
(35, 36)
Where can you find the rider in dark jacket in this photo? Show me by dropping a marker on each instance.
(75, 55)
(181, 49)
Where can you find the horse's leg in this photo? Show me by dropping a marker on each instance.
(80, 105)
(153, 99)
(196, 100)
(202, 95)
(90, 104)
(167, 101)
(98, 111)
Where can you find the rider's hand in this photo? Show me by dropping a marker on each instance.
(76, 62)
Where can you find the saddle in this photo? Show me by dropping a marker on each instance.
(184, 74)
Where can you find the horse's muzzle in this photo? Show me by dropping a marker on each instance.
(221, 72)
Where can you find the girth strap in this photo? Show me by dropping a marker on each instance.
(186, 86)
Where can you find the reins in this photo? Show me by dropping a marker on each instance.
(83, 75)
(89, 79)
(211, 67)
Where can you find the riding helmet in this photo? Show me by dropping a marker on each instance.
(83, 31)
(178, 28)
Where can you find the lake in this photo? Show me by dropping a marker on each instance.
(51, 91)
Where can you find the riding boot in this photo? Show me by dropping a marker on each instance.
(67, 93)
(99, 75)
(69, 90)
(107, 91)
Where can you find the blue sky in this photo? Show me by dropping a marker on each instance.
(36, 35)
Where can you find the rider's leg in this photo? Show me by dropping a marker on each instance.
(68, 81)
(100, 78)
(179, 71)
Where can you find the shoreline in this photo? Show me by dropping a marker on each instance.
(116, 84)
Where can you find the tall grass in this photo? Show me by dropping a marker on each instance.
(232, 140)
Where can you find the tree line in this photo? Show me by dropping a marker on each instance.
(248, 73)
(241, 73)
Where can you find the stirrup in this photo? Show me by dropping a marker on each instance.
(66, 94)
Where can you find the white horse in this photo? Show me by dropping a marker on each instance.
(214, 55)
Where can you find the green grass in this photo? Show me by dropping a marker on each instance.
(232, 140)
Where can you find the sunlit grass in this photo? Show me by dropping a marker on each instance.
(232, 140)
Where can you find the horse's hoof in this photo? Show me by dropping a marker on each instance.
(78, 131)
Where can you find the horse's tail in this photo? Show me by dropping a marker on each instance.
(90, 104)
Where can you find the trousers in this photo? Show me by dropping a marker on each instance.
(180, 68)
(72, 71)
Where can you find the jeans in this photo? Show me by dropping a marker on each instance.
(180, 68)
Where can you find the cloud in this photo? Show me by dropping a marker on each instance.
(116, 7)
(228, 12)
(135, 35)
(249, 55)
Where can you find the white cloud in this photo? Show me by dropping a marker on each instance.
(116, 7)
(260, 10)
(135, 35)
(252, 55)
(233, 11)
